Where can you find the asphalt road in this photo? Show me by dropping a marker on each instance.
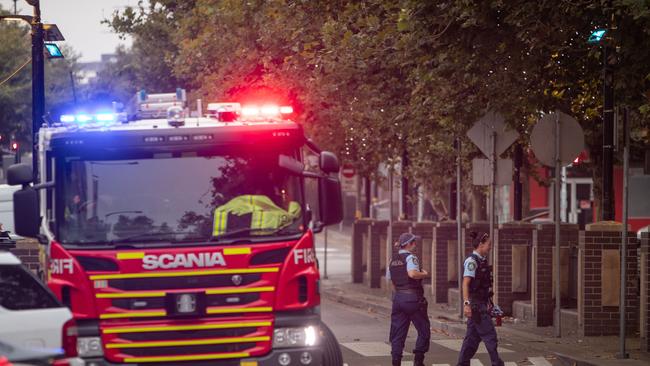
(363, 338)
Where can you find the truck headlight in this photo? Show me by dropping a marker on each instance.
(295, 337)
(89, 347)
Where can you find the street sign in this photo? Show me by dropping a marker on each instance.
(481, 134)
(482, 172)
(348, 171)
(542, 139)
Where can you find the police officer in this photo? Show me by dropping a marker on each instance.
(477, 293)
(409, 303)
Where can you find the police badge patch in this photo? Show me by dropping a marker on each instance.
(471, 266)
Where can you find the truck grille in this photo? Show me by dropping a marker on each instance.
(187, 341)
(198, 282)
(142, 321)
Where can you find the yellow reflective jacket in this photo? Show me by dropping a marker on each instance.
(264, 213)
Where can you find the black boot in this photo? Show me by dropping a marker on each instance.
(419, 359)
(397, 361)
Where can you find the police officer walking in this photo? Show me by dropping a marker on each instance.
(409, 303)
(477, 307)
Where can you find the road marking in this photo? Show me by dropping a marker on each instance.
(456, 344)
(539, 361)
(370, 349)
(475, 362)
(511, 364)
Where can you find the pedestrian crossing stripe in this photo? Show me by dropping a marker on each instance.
(473, 362)
(456, 344)
(370, 349)
(539, 361)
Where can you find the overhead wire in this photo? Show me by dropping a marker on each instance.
(16, 72)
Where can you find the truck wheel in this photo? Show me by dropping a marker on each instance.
(331, 351)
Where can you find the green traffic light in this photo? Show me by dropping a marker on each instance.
(597, 35)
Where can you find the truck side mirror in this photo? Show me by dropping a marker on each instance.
(26, 214)
(331, 200)
(19, 174)
(329, 163)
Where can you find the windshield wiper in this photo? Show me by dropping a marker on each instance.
(247, 230)
(141, 236)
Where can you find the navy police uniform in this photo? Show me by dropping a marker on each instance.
(409, 304)
(479, 326)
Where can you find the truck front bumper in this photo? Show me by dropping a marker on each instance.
(308, 356)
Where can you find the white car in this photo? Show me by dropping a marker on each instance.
(30, 315)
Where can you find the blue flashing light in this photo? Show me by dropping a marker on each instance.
(83, 118)
(67, 118)
(105, 117)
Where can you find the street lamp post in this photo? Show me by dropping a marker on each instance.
(38, 71)
(38, 82)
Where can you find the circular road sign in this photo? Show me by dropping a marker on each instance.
(348, 171)
(542, 139)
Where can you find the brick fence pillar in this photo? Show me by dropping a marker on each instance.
(600, 258)
(359, 236)
(512, 245)
(28, 251)
(425, 230)
(542, 268)
(644, 324)
(377, 241)
(444, 240)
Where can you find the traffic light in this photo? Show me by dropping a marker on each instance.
(14, 148)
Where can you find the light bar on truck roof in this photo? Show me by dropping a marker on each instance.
(82, 118)
(267, 110)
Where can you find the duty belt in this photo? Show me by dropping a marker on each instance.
(408, 291)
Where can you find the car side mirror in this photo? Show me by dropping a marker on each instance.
(19, 174)
(331, 200)
(27, 218)
(329, 163)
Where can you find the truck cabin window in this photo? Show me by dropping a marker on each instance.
(191, 197)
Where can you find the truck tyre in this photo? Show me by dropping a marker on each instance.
(331, 351)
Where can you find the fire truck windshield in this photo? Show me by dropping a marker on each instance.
(177, 198)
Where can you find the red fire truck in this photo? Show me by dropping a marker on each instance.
(180, 240)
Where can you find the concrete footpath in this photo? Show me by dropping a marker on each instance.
(571, 349)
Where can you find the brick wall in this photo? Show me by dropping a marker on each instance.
(542, 268)
(359, 230)
(377, 237)
(507, 288)
(27, 250)
(443, 232)
(599, 251)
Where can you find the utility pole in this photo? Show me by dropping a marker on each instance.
(38, 82)
(518, 197)
(608, 135)
(406, 204)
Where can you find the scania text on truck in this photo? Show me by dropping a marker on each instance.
(179, 240)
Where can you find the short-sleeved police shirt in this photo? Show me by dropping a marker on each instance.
(412, 263)
(471, 265)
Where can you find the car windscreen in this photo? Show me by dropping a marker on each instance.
(189, 196)
(20, 290)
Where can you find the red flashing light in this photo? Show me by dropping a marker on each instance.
(14, 146)
(267, 110)
(4, 361)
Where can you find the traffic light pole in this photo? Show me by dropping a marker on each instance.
(38, 83)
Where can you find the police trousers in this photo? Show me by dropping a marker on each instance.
(479, 328)
(409, 308)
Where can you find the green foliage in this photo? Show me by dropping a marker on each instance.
(372, 79)
(15, 93)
